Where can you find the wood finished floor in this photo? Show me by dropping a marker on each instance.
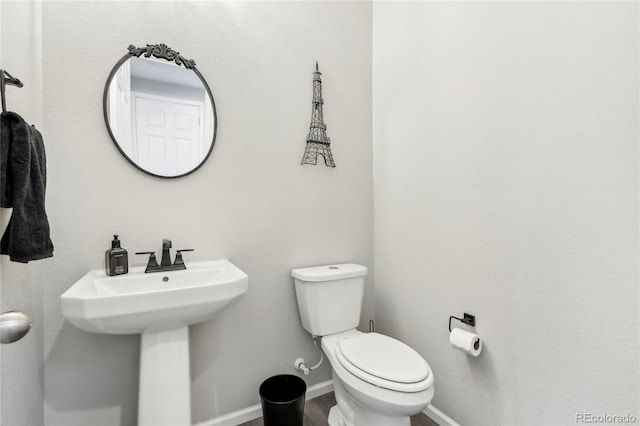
(316, 412)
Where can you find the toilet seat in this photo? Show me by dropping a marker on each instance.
(367, 356)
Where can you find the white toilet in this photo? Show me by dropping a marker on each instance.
(377, 380)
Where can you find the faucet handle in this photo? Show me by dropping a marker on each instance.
(179, 260)
(152, 258)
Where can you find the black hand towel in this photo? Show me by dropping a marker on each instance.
(23, 181)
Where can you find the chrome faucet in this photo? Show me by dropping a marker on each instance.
(165, 262)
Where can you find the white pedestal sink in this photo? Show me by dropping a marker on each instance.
(160, 306)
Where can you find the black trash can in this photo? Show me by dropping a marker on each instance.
(282, 399)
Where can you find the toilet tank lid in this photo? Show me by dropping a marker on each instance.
(329, 272)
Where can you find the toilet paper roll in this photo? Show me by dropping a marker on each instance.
(465, 341)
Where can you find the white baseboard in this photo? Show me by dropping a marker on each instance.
(250, 413)
(438, 416)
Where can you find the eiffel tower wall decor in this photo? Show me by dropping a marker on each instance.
(318, 143)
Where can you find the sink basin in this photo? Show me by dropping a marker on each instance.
(139, 302)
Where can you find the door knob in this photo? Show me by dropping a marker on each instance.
(14, 325)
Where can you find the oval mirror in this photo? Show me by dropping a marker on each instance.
(159, 111)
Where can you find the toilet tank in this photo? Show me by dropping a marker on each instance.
(330, 297)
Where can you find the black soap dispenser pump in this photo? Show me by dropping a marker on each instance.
(116, 259)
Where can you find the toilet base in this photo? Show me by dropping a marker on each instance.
(337, 419)
(365, 417)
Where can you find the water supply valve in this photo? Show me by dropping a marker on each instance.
(301, 366)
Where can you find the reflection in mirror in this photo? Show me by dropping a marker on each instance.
(160, 114)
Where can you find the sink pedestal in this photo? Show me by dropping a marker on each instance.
(165, 385)
(161, 307)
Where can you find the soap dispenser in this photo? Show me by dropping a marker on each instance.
(116, 259)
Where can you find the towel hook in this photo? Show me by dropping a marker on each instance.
(6, 78)
(2, 89)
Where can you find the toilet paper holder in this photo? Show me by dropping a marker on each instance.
(466, 319)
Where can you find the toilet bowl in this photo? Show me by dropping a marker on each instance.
(377, 380)
(363, 396)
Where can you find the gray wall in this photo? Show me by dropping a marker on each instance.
(21, 363)
(252, 202)
(506, 185)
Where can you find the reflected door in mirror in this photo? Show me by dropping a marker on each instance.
(169, 138)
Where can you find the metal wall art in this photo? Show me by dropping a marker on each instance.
(318, 143)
